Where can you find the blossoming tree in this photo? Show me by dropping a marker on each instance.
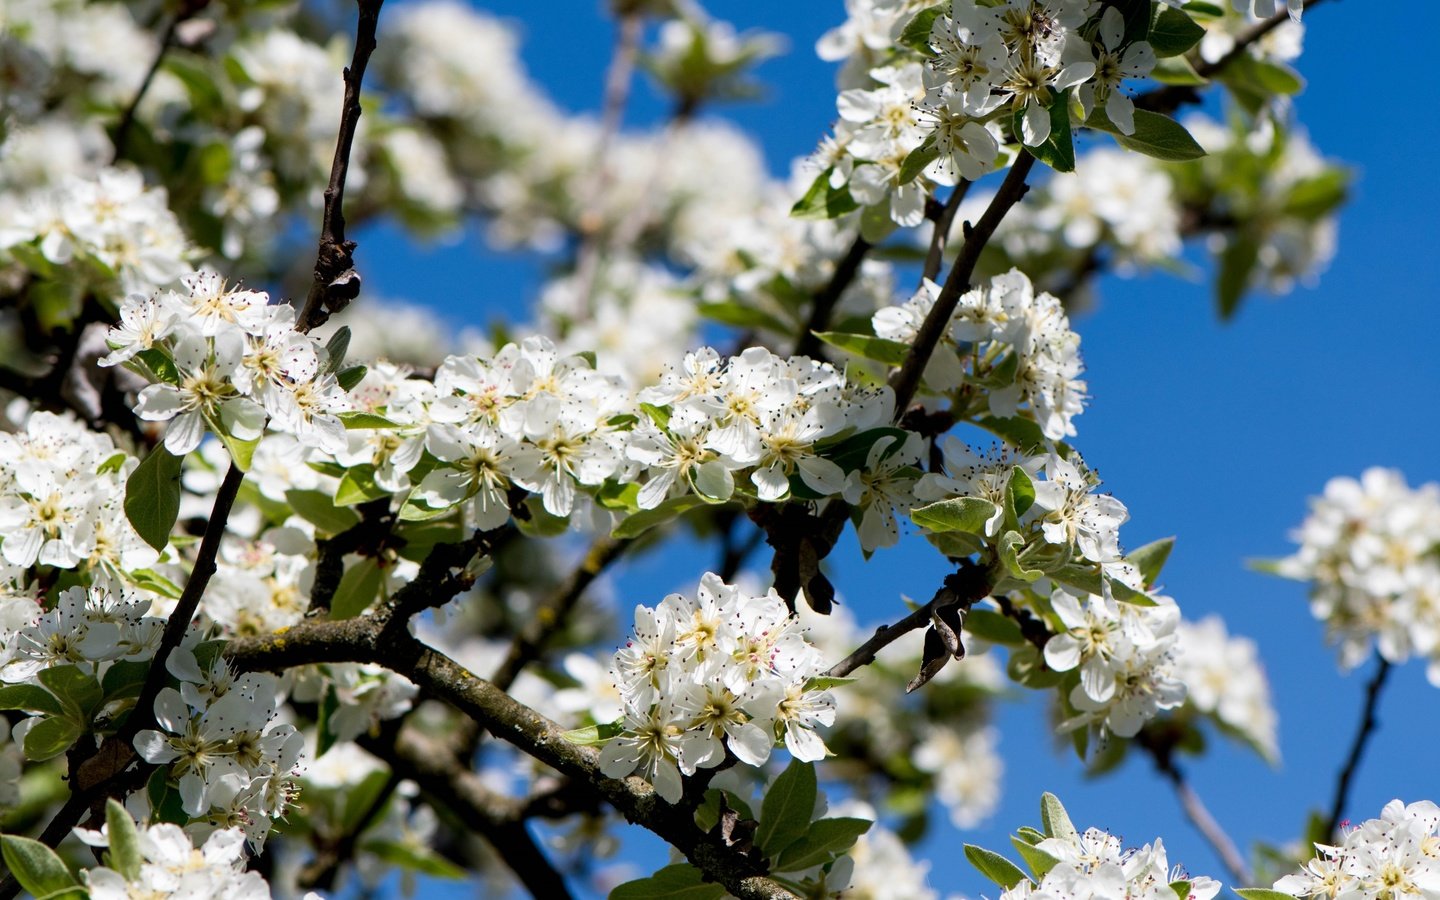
(288, 595)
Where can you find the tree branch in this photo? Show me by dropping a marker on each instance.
(970, 584)
(551, 615)
(825, 300)
(1162, 751)
(1368, 725)
(360, 640)
(907, 379)
(941, 234)
(336, 282)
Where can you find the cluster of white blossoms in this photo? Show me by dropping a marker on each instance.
(172, 866)
(1223, 677)
(87, 628)
(62, 487)
(110, 229)
(1126, 656)
(1094, 864)
(1002, 330)
(218, 736)
(724, 670)
(224, 359)
(1368, 549)
(1396, 855)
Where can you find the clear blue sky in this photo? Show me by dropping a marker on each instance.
(1214, 433)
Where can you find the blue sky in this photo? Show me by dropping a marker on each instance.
(1214, 433)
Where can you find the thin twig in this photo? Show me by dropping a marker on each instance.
(336, 282)
(321, 871)
(941, 235)
(617, 93)
(551, 616)
(1368, 725)
(1199, 816)
(971, 583)
(907, 379)
(167, 40)
(824, 306)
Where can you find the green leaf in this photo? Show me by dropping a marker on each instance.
(681, 881)
(125, 855)
(1028, 835)
(1204, 8)
(1181, 889)
(348, 378)
(160, 365)
(416, 859)
(1038, 860)
(1155, 135)
(827, 682)
(1058, 150)
(1010, 545)
(240, 451)
(35, 866)
(1173, 32)
(1150, 559)
(355, 420)
(1314, 197)
(1263, 894)
(660, 415)
(357, 486)
(319, 510)
(994, 866)
(826, 839)
(867, 346)
(152, 497)
(50, 738)
(916, 34)
(967, 514)
(822, 201)
(357, 589)
(988, 625)
(785, 812)
(853, 452)
(114, 463)
(1249, 74)
(124, 678)
(79, 692)
(591, 735)
(30, 698)
(336, 348)
(916, 161)
(360, 799)
(646, 519)
(743, 315)
(1237, 264)
(150, 580)
(1021, 491)
(1054, 820)
(1177, 70)
(1022, 434)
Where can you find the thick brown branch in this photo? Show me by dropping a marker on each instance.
(359, 640)
(336, 281)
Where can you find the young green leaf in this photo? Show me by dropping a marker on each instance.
(36, 867)
(681, 881)
(1173, 32)
(1150, 559)
(1038, 860)
(822, 201)
(125, 855)
(357, 589)
(646, 519)
(867, 346)
(152, 497)
(967, 514)
(30, 698)
(1155, 135)
(785, 812)
(1054, 819)
(826, 839)
(319, 510)
(994, 866)
(50, 738)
